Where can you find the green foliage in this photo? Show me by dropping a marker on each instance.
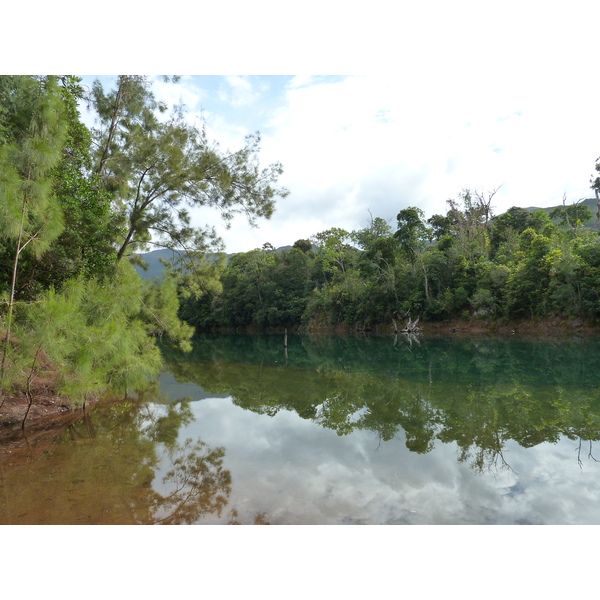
(572, 217)
(28, 214)
(69, 213)
(303, 245)
(159, 312)
(411, 232)
(157, 168)
(85, 245)
(30, 219)
(90, 335)
(335, 255)
(465, 264)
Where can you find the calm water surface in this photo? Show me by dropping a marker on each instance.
(337, 430)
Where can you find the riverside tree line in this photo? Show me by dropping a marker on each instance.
(465, 264)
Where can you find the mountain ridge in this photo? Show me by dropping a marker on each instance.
(155, 267)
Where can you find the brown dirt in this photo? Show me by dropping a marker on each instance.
(46, 418)
(544, 328)
(43, 407)
(22, 421)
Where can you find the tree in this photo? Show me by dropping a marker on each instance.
(333, 251)
(572, 216)
(377, 243)
(158, 167)
(85, 245)
(411, 232)
(595, 181)
(440, 225)
(508, 226)
(34, 136)
(303, 245)
(412, 235)
(246, 284)
(470, 223)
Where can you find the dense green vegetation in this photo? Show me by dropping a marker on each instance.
(466, 264)
(76, 205)
(79, 205)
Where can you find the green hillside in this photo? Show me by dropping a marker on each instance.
(591, 203)
(155, 266)
(153, 261)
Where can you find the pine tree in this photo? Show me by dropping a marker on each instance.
(33, 138)
(158, 168)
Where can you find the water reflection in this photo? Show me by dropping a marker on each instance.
(196, 484)
(103, 469)
(476, 393)
(341, 430)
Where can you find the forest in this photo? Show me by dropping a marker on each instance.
(466, 265)
(80, 205)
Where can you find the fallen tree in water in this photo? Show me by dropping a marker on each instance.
(410, 327)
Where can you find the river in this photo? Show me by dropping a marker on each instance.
(332, 430)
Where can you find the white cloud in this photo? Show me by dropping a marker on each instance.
(299, 472)
(401, 142)
(185, 92)
(238, 91)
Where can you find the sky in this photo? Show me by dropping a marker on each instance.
(353, 147)
(370, 111)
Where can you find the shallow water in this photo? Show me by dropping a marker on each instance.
(335, 430)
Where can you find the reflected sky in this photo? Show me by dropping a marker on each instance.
(348, 431)
(294, 471)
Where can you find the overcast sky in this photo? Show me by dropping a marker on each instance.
(354, 144)
(431, 99)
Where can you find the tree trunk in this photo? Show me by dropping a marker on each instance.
(425, 276)
(111, 131)
(13, 285)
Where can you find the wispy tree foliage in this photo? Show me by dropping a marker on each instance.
(74, 203)
(158, 166)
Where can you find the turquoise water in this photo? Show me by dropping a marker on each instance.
(334, 430)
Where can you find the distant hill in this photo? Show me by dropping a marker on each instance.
(591, 203)
(152, 259)
(155, 267)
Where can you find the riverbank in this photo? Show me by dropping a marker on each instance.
(45, 420)
(49, 410)
(539, 328)
(16, 409)
(530, 328)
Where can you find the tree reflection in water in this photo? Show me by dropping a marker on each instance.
(198, 482)
(103, 468)
(477, 393)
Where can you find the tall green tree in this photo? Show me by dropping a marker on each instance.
(572, 216)
(34, 134)
(595, 181)
(85, 245)
(412, 235)
(158, 166)
(335, 254)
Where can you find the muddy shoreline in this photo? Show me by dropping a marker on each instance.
(546, 328)
(52, 412)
